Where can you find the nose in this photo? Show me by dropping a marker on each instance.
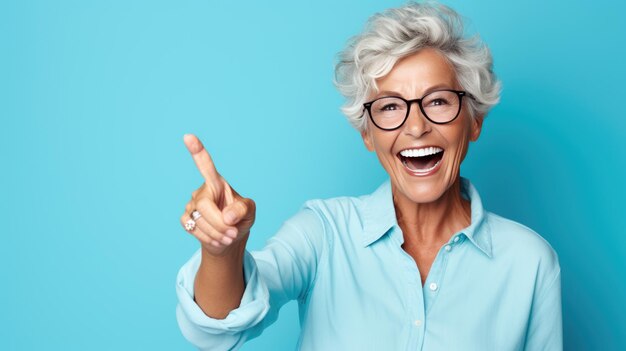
(416, 123)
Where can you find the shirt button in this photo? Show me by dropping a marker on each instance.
(448, 247)
(418, 323)
(433, 286)
(456, 239)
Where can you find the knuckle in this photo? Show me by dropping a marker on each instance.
(243, 206)
(248, 205)
(203, 203)
(219, 226)
(251, 203)
(211, 222)
(214, 234)
(207, 221)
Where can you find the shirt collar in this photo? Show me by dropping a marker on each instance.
(380, 216)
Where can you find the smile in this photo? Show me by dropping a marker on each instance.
(421, 161)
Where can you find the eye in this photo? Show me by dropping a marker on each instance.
(438, 102)
(390, 107)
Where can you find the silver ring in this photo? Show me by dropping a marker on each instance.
(195, 215)
(190, 225)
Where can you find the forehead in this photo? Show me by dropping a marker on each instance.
(417, 72)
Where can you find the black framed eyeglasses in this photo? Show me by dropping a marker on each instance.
(439, 107)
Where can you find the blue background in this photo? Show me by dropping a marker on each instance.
(95, 98)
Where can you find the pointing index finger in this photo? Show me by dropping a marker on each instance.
(201, 157)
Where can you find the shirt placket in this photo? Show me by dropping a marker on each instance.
(422, 298)
(435, 279)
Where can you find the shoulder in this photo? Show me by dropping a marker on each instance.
(522, 244)
(337, 215)
(319, 221)
(336, 212)
(335, 207)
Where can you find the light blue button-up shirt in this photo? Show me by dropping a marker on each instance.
(494, 286)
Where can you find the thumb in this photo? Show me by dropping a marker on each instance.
(237, 210)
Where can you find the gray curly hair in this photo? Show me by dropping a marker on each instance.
(399, 32)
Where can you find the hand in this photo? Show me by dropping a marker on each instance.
(226, 216)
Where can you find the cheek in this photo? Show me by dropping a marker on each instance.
(383, 145)
(464, 149)
(382, 142)
(458, 147)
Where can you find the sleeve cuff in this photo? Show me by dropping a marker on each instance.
(196, 326)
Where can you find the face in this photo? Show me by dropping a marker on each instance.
(422, 179)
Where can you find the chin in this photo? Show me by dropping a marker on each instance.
(422, 179)
(425, 189)
(423, 193)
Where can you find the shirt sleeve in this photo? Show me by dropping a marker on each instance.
(283, 270)
(545, 328)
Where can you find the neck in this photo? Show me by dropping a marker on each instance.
(435, 222)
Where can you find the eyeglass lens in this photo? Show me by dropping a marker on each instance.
(439, 106)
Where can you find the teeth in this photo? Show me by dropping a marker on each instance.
(421, 152)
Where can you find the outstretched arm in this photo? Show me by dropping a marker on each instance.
(223, 230)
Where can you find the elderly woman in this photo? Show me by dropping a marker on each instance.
(419, 264)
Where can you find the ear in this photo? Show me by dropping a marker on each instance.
(367, 139)
(477, 126)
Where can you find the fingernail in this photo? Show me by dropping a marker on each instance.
(226, 240)
(231, 232)
(229, 216)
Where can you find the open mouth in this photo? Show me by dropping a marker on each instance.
(421, 160)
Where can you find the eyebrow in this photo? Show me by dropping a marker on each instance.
(395, 93)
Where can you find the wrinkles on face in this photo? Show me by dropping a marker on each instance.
(418, 197)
